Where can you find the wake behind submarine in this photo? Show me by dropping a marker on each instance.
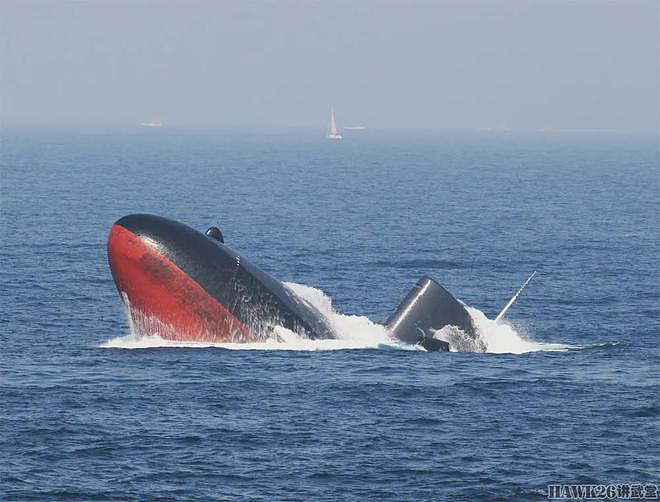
(187, 285)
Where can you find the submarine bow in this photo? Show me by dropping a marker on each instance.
(184, 285)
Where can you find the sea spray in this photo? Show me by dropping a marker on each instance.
(502, 338)
(355, 332)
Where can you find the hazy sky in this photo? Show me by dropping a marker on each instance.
(406, 64)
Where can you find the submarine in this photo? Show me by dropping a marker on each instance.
(188, 285)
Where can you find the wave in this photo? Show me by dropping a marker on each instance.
(502, 338)
(359, 332)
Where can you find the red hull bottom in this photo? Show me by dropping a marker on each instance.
(164, 300)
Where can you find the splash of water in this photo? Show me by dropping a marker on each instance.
(355, 332)
(494, 337)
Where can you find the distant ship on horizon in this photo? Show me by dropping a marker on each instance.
(501, 127)
(333, 134)
(152, 123)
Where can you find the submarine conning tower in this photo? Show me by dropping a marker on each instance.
(427, 307)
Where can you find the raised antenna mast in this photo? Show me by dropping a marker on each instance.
(515, 297)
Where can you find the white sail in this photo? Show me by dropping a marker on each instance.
(333, 134)
(333, 123)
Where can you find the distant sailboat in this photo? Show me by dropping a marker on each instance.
(333, 134)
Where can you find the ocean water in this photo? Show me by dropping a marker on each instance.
(567, 391)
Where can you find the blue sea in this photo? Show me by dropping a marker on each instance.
(568, 390)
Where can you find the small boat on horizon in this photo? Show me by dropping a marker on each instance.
(333, 134)
(152, 123)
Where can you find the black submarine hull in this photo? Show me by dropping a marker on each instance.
(185, 285)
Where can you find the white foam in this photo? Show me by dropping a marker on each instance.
(502, 338)
(355, 332)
